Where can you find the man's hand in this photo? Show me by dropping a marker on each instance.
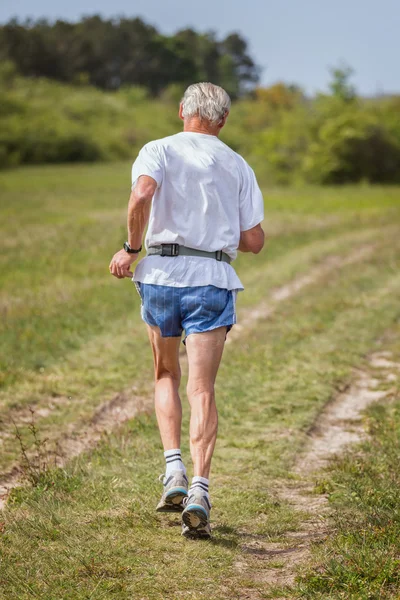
(252, 240)
(120, 263)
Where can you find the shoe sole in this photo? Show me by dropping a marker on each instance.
(195, 518)
(173, 501)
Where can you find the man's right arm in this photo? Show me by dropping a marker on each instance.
(252, 240)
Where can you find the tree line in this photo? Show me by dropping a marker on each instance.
(333, 138)
(111, 53)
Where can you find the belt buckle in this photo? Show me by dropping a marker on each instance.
(218, 255)
(169, 249)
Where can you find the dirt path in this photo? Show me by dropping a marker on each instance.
(109, 416)
(335, 428)
(265, 309)
(125, 406)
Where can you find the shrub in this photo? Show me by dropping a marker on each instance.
(288, 138)
(352, 146)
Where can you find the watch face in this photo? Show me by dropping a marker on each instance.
(126, 247)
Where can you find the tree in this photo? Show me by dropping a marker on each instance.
(340, 85)
(115, 52)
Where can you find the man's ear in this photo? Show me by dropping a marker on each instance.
(223, 120)
(181, 111)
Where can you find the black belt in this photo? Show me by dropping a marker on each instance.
(177, 250)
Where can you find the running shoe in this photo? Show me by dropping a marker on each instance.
(196, 515)
(175, 490)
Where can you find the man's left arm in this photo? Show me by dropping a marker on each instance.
(138, 216)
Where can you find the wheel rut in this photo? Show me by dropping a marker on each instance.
(336, 427)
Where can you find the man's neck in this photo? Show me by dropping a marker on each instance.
(197, 126)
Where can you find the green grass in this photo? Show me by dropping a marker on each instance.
(362, 559)
(90, 530)
(69, 329)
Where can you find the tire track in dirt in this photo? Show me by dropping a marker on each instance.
(125, 406)
(110, 415)
(337, 426)
(285, 292)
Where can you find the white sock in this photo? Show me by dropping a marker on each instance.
(173, 460)
(200, 483)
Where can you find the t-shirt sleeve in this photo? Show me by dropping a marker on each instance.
(251, 203)
(148, 163)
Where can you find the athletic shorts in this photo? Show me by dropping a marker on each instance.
(193, 309)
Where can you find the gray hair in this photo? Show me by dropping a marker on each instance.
(207, 101)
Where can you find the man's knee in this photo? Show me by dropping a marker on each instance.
(166, 371)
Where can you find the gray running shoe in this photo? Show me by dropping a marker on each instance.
(175, 490)
(196, 516)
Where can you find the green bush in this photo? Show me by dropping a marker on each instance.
(331, 139)
(279, 149)
(351, 144)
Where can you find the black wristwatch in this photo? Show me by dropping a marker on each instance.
(130, 250)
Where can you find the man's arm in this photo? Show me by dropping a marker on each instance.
(139, 209)
(252, 240)
(138, 217)
(251, 212)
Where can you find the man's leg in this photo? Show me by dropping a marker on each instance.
(169, 417)
(204, 354)
(167, 375)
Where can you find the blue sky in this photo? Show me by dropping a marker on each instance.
(293, 40)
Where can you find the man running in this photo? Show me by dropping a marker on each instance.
(202, 203)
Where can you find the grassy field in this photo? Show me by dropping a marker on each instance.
(68, 333)
(361, 560)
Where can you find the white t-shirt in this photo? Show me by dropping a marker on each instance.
(206, 195)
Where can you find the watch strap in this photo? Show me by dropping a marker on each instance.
(130, 250)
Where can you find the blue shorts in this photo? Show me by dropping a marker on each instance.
(193, 309)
